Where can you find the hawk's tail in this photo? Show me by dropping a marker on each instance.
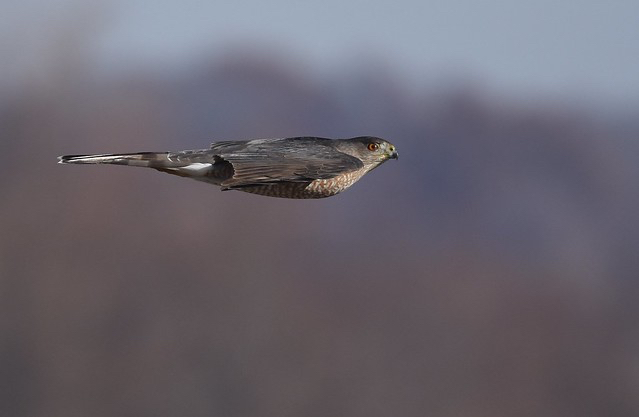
(141, 159)
(191, 164)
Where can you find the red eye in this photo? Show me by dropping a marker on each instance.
(373, 146)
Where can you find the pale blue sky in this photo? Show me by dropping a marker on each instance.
(513, 47)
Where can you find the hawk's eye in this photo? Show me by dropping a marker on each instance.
(373, 146)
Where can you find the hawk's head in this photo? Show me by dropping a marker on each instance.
(372, 151)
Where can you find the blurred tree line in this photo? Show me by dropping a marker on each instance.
(490, 271)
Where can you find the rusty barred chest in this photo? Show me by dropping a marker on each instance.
(320, 188)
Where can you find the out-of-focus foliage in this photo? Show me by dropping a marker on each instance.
(491, 271)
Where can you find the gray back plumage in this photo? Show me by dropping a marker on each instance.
(302, 159)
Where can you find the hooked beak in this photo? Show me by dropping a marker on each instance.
(393, 154)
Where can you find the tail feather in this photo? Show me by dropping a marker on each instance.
(141, 159)
(191, 164)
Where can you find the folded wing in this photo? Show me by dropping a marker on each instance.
(267, 161)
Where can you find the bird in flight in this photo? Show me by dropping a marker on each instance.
(301, 167)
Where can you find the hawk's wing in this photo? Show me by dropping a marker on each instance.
(265, 161)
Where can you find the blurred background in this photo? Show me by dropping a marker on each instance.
(491, 271)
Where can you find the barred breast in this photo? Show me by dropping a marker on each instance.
(315, 189)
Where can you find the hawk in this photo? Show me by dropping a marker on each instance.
(301, 167)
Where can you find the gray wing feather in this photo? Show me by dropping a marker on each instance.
(290, 160)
